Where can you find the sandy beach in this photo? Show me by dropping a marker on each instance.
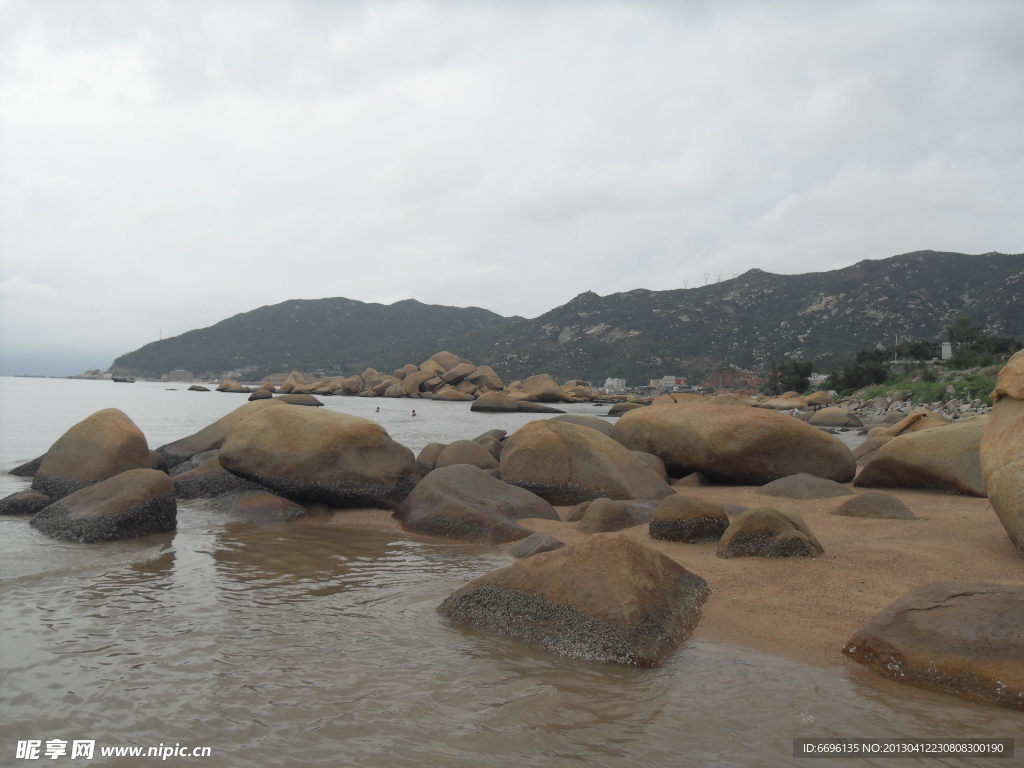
(806, 609)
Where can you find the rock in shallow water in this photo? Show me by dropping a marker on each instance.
(26, 502)
(101, 446)
(606, 599)
(322, 456)
(465, 502)
(128, 505)
(958, 637)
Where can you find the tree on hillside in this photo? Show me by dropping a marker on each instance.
(961, 331)
(792, 375)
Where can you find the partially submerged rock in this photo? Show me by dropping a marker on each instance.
(29, 468)
(567, 464)
(321, 456)
(767, 532)
(128, 505)
(875, 504)
(686, 519)
(605, 599)
(734, 445)
(26, 502)
(499, 402)
(263, 507)
(464, 502)
(1002, 451)
(945, 459)
(210, 480)
(804, 486)
(99, 447)
(957, 637)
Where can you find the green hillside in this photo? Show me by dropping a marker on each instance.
(329, 335)
(748, 321)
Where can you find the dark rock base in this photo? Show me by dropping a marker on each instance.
(158, 515)
(700, 530)
(567, 631)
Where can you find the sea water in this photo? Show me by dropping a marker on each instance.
(286, 646)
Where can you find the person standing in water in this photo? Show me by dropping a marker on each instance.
(414, 412)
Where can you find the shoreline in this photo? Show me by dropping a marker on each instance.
(805, 609)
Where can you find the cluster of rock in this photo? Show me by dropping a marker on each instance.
(444, 376)
(609, 597)
(896, 404)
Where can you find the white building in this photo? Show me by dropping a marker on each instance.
(614, 386)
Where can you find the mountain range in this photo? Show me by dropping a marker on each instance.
(747, 321)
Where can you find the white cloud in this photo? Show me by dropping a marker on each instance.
(167, 165)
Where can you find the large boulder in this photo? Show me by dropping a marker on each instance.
(567, 464)
(484, 376)
(804, 486)
(602, 426)
(607, 515)
(446, 360)
(689, 520)
(458, 373)
(499, 402)
(294, 381)
(211, 437)
(944, 459)
(1002, 450)
(605, 599)
(875, 504)
(917, 421)
(320, 456)
(230, 385)
(451, 394)
(465, 452)
(767, 532)
(464, 502)
(133, 503)
(866, 451)
(544, 388)
(299, 399)
(834, 417)
(96, 448)
(734, 445)
(959, 637)
(620, 408)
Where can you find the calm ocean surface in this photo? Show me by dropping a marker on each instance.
(280, 646)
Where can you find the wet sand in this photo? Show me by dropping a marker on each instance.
(806, 609)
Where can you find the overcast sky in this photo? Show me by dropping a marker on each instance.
(165, 165)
